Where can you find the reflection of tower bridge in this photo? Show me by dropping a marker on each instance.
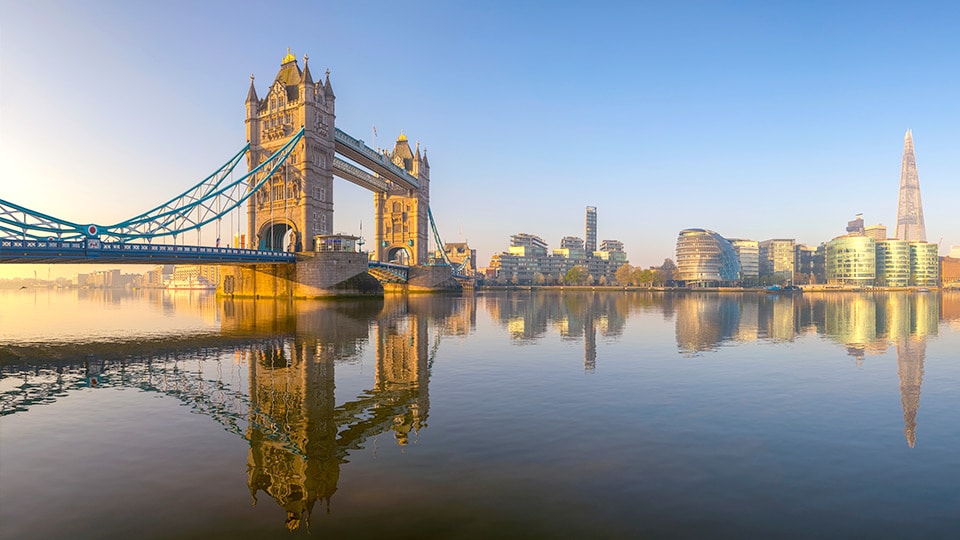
(275, 392)
(293, 153)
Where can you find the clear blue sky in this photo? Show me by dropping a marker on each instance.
(755, 119)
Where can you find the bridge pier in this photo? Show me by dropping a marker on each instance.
(315, 275)
(421, 279)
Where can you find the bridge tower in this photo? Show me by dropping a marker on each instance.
(402, 223)
(299, 198)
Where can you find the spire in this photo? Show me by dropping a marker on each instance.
(252, 93)
(417, 153)
(288, 58)
(306, 78)
(327, 88)
(910, 225)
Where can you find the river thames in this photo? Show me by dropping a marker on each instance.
(509, 414)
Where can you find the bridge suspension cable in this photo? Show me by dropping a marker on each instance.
(208, 201)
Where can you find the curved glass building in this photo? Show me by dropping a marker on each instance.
(704, 258)
(924, 264)
(851, 260)
(893, 263)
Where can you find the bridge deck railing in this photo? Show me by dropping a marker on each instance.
(21, 250)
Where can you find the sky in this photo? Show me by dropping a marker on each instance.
(754, 119)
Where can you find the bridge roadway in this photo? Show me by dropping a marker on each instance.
(95, 252)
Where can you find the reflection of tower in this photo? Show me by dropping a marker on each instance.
(590, 337)
(910, 354)
(910, 224)
(294, 456)
(402, 372)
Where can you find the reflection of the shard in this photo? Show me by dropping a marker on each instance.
(910, 355)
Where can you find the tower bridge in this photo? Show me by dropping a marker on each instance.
(294, 151)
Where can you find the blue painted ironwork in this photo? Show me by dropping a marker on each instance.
(356, 150)
(204, 203)
(457, 269)
(92, 250)
(399, 270)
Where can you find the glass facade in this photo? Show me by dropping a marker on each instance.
(924, 264)
(851, 260)
(748, 252)
(777, 259)
(705, 258)
(893, 263)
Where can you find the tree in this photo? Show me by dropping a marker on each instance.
(575, 275)
(645, 277)
(624, 274)
(669, 269)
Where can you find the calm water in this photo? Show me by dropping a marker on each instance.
(524, 415)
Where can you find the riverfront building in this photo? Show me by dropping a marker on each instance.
(528, 261)
(851, 260)
(591, 229)
(924, 264)
(748, 252)
(893, 263)
(704, 258)
(777, 259)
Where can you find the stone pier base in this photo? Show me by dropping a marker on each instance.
(316, 275)
(421, 279)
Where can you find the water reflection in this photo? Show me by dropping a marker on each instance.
(269, 377)
(863, 324)
(268, 373)
(574, 315)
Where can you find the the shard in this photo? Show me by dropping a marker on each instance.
(910, 225)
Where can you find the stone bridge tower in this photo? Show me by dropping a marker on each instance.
(402, 223)
(297, 203)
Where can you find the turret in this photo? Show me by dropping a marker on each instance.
(252, 100)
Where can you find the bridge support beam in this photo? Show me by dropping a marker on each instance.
(315, 275)
(426, 279)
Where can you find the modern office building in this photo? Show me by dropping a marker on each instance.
(808, 264)
(910, 226)
(748, 252)
(878, 232)
(704, 258)
(851, 260)
(777, 260)
(591, 230)
(893, 263)
(924, 264)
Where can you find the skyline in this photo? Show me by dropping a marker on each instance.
(759, 122)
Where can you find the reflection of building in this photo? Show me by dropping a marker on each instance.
(705, 321)
(299, 436)
(910, 355)
(705, 258)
